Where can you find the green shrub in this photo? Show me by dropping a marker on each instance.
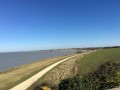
(105, 77)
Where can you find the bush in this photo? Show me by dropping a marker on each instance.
(105, 77)
(70, 84)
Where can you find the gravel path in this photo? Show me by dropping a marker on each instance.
(24, 85)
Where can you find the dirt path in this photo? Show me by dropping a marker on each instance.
(61, 72)
(13, 77)
(24, 85)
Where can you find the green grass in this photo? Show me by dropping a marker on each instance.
(99, 70)
(105, 77)
(93, 60)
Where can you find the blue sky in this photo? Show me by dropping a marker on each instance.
(51, 24)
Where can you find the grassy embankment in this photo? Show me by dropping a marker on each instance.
(58, 73)
(14, 76)
(92, 61)
(98, 70)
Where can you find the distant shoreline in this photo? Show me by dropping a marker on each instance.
(15, 59)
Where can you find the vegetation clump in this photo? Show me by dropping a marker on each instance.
(99, 70)
(105, 77)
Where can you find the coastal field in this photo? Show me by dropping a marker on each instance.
(60, 72)
(99, 70)
(93, 60)
(14, 76)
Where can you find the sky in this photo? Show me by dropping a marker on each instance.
(51, 24)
